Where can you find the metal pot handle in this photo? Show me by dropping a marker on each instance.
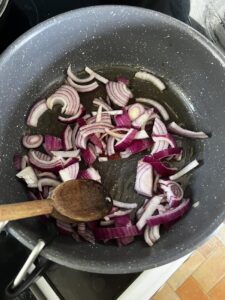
(22, 281)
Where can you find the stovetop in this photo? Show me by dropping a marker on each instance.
(22, 15)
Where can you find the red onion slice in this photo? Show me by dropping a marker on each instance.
(124, 204)
(144, 179)
(136, 146)
(44, 162)
(174, 128)
(36, 112)
(32, 141)
(152, 78)
(123, 120)
(79, 80)
(67, 138)
(70, 172)
(90, 173)
(83, 88)
(46, 174)
(173, 190)
(170, 215)
(119, 93)
(135, 110)
(168, 153)
(157, 105)
(96, 75)
(159, 128)
(100, 102)
(110, 146)
(105, 118)
(29, 176)
(123, 79)
(67, 97)
(118, 213)
(185, 170)
(142, 120)
(149, 211)
(88, 155)
(166, 138)
(66, 154)
(160, 168)
(147, 237)
(85, 233)
(116, 233)
(47, 182)
(126, 140)
(53, 143)
(74, 118)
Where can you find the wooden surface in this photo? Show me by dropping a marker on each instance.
(202, 276)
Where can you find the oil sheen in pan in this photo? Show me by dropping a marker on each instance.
(118, 176)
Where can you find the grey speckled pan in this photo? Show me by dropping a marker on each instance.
(115, 35)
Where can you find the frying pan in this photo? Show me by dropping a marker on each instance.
(118, 35)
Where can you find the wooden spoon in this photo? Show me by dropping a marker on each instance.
(78, 200)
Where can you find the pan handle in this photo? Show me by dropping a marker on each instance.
(41, 267)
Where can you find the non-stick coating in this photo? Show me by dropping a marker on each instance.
(116, 35)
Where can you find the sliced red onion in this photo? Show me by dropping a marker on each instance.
(64, 226)
(110, 146)
(79, 80)
(110, 112)
(90, 173)
(70, 172)
(142, 120)
(170, 152)
(73, 119)
(171, 215)
(70, 161)
(46, 174)
(44, 162)
(159, 128)
(85, 233)
(118, 213)
(32, 141)
(99, 114)
(121, 222)
(156, 180)
(29, 177)
(173, 191)
(36, 112)
(154, 233)
(47, 182)
(88, 155)
(149, 211)
(147, 237)
(185, 170)
(73, 137)
(67, 138)
(107, 223)
(96, 75)
(119, 93)
(67, 97)
(87, 130)
(124, 205)
(142, 134)
(123, 120)
(66, 154)
(103, 158)
(135, 110)
(144, 179)
(152, 78)
(24, 162)
(157, 105)
(105, 118)
(100, 102)
(126, 140)
(53, 143)
(136, 146)
(168, 138)
(173, 127)
(83, 88)
(116, 233)
(123, 79)
(160, 168)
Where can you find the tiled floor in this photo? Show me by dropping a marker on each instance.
(202, 276)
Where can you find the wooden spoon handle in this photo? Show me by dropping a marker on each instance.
(22, 210)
